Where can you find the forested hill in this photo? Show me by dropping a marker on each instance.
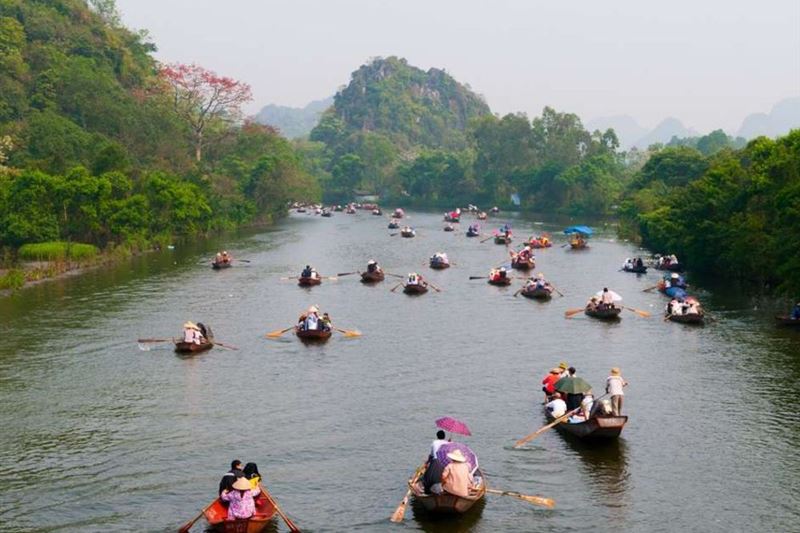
(101, 143)
(389, 113)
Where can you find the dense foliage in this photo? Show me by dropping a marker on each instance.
(99, 143)
(734, 213)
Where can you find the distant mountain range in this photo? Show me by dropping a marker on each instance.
(784, 116)
(294, 122)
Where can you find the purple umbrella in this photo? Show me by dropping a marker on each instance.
(453, 426)
(444, 449)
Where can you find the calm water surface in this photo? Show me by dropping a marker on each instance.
(99, 435)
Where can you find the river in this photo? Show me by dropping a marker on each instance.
(100, 435)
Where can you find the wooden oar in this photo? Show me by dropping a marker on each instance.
(478, 277)
(487, 238)
(330, 278)
(434, 287)
(393, 234)
(648, 289)
(228, 346)
(244, 260)
(340, 274)
(558, 291)
(643, 314)
(530, 437)
(285, 518)
(277, 333)
(399, 513)
(188, 525)
(347, 332)
(393, 275)
(519, 291)
(572, 312)
(396, 286)
(154, 340)
(536, 500)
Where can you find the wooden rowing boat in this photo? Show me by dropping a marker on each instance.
(221, 265)
(449, 228)
(407, 234)
(598, 427)
(438, 264)
(689, 318)
(502, 239)
(420, 288)
(500, 282)
(308, 281)
(609, 313)
(313, 335)
(482, 215)
(579, 245)
(538, 243)
(217, 514)
(446, 503)
(473, 234)
(377, 212)
(672, 267)
(523, 265)
(786, 320)
(327, 214)
(192, 348)
(393, 225)
(537, 293)
(372, 277)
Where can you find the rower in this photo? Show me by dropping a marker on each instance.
(607, 299)
(557, 406)
(191, 333)
(540, 281)
(218, 258)
(372, 266)
(225, 257)
(307, 271)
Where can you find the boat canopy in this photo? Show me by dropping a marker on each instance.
(583, 230)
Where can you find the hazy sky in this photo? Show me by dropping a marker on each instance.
(707, 62)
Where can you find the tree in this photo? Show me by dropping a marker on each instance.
(201, 98)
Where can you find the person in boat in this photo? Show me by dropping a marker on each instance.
(573, 399)
(218, 258)
(325, 322)
(205, 331)
(564, 367)
(628, 264)
(230, 477)
(226, 258)
(252, 474)
(614, 385)
(795, 315)
(431, 480)
(309, 320)
(557, 406)
(372, 266)
(506, 230)
(693, 306)
(586, 404)
(549, 383)
(607, 300)
(672, 306)
(439, 257)
(307, 271)
(593, 304)
(415, 279)
(639, 262)
(192, 333)
(457, 477)
(241, 499)
(541, 283)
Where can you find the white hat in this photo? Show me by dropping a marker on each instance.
(242, 483)
(457, 456)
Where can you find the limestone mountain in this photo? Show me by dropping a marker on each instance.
(293, 122)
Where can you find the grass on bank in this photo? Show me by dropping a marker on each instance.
(57, 251)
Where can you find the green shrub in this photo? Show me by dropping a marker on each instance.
(13, 279)
(57, 251)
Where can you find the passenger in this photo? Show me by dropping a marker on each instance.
(457, 478)
(540, 281)
(218, 258)
(556, 407)
(586, 404)
(608, 298)
(502, 273)
(191, 333)
(564, 367)
(614, 385)
(672, 306)
(592, 304)
(795, 312)
(372, 266)
(326, 323)
(306, 273)
(225, 257)
(252, 474)
(549, 383)
(639, 262)
(241, 504)
(694, 307)
(231, 476)
(432, 479)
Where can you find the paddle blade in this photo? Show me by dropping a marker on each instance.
(572, 312)
(277, 333)
(538, 500)
(400, 512)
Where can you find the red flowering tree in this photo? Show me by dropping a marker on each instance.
(201, 97)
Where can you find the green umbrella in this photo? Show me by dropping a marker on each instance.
(572, 385)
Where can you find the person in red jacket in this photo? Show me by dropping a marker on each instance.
(549, 383)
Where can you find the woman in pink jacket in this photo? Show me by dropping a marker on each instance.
(241, 503)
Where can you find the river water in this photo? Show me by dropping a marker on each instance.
(100, 435)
